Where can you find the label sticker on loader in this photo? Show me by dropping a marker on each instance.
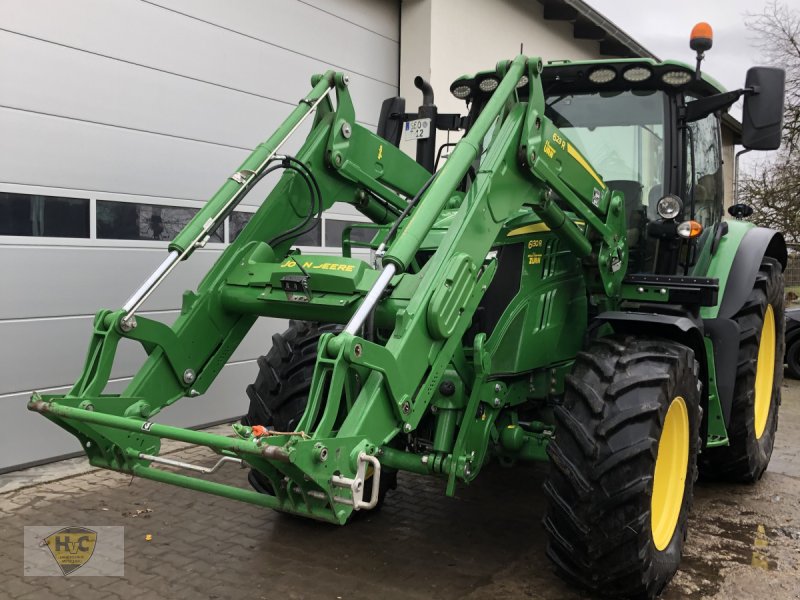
(418, 129)
(326, 266)
(534, 259)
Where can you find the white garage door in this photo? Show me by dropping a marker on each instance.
(118, 118)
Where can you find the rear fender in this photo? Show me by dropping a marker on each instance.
(736, 263)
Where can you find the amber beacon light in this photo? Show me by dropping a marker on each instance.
(702, 37)
(700, 41)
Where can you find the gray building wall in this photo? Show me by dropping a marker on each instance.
(128, 101)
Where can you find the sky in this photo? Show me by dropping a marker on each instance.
(663, 27)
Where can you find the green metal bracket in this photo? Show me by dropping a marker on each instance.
(152, 335)
(100, 357)
(471, 414)
(716, 432)
(375, 357)
(553, 159)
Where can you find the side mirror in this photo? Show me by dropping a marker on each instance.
(762, 116)
(740, 211)
(390, 121)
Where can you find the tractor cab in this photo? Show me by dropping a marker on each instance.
(652, 132)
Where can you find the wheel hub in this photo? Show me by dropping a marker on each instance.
(669, 479)
(765, 372)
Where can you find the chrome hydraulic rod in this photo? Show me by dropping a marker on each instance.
(172, 258)
(243, 177)
(191, 467)
(370, 300)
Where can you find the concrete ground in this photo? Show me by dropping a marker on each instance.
(744, 541)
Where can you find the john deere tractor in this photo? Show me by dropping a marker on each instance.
(561, 287)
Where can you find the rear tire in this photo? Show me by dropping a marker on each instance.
(279, 395)
(793, 358)
(757, 391)
(623, 466)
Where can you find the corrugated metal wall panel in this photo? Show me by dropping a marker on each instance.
(147, 102)
(68, 281)
(26, 437)
(49, 353)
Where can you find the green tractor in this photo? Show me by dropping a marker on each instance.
(561, 288)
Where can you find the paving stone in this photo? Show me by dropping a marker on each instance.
(487, 542)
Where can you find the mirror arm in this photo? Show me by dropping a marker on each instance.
(702, 107)
(736, 175)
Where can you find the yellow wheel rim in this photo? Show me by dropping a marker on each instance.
(669, 479)
(765, 372)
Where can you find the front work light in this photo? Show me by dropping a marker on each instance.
(676, 77)
(602, 75)
(690, 229)
(461, 92)
(489, 84)
(635, 74)
(669, 207)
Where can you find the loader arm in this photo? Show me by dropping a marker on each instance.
(523, 163)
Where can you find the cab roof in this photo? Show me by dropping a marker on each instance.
(578, 73)
(600, 75)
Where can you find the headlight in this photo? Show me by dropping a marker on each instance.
(635, 74)
(602, 75)
(489, 84)
(669, 207)
(676, 77)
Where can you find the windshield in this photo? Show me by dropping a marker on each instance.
(622, 136)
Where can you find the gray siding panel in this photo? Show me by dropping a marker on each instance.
(59, 347)
(135, 101)
(146, 35)
(316, 33)
(380, 16)
(27, 437)
(57, 152)
(65, 281)
(69, 281)
(85, 86)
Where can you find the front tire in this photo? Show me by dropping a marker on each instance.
(757, 391)
(623, 466)
(279, 395)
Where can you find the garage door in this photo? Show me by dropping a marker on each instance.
(118, 119)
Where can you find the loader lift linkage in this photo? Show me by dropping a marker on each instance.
(457, 342)
(399, 378)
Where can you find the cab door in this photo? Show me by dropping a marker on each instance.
(703, 190)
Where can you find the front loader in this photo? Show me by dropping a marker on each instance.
(561, 287)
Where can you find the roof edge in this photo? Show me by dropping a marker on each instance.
(611, 32)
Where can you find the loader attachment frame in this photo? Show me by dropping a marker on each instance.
(365, 392)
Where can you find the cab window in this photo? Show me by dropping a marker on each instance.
(704, 188)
